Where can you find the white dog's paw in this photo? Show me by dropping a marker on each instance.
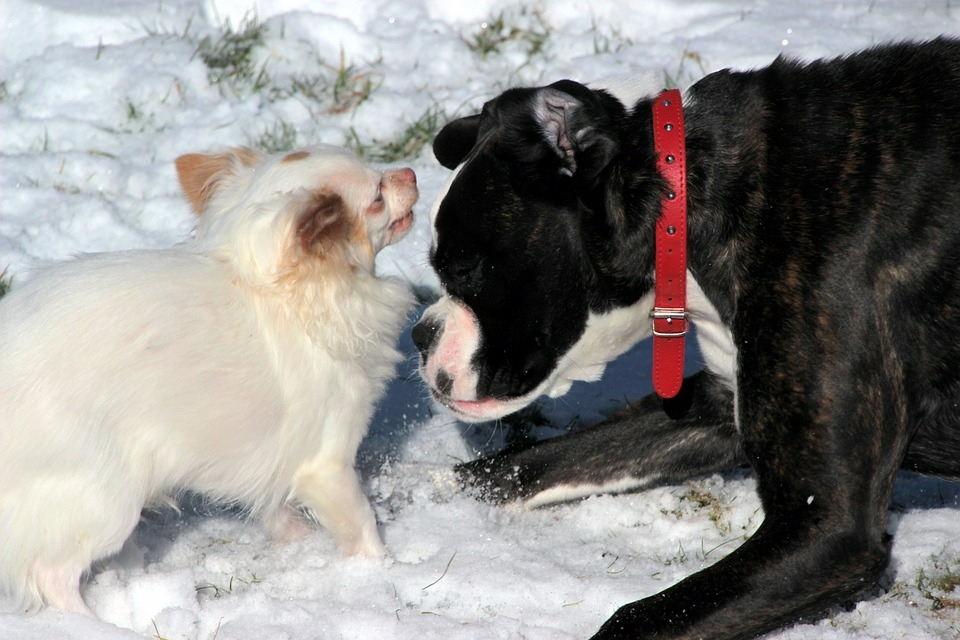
(288, 525)
(368, 544)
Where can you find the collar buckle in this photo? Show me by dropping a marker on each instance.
(668, 315)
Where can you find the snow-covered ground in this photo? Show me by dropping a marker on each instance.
(97, 98)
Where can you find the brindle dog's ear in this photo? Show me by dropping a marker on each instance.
(455, 141)
(579, 129)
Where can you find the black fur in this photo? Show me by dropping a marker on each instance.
(824, 218)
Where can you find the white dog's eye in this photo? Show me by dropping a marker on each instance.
(378, 203)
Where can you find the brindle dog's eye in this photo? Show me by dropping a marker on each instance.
(463, 279)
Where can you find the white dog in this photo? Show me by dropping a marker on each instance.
(243, 364)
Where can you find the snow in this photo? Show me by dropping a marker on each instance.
(97, 98)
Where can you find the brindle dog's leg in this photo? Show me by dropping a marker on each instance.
(652, 442)
(825, 437)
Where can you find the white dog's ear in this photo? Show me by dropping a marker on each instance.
(322, 222)
(199, 173)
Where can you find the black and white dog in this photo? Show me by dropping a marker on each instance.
(824, 283)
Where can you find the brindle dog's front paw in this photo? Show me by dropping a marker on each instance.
(503, 477)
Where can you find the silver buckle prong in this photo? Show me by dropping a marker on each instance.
(669, 314)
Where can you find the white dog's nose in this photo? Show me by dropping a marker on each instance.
(404, 176)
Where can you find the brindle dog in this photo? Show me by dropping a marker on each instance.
(824, 264)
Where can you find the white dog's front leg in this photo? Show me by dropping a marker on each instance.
(59, 586)
(331, 491)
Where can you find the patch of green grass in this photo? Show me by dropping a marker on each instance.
(156, 632)
(522, 25)
(352, 86)
(679, 557)
(233, 65)
(231, 58)
(612, 42)
(698, 498)
(447, 568)
(939, 584)
(705, 500)
(235, 583)
(164, 30)
(693, 66)
(336, 88)
(6, 281)
(936, 586)
(407, 144)
(133, 111)
(238, 66)
(278, 138)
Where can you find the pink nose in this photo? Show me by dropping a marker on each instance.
(405, 175)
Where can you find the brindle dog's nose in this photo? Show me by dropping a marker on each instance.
(425, 334)
(444, 383)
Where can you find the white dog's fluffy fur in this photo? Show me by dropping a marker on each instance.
(243, 364)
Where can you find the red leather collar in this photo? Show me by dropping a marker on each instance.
(670, 289)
